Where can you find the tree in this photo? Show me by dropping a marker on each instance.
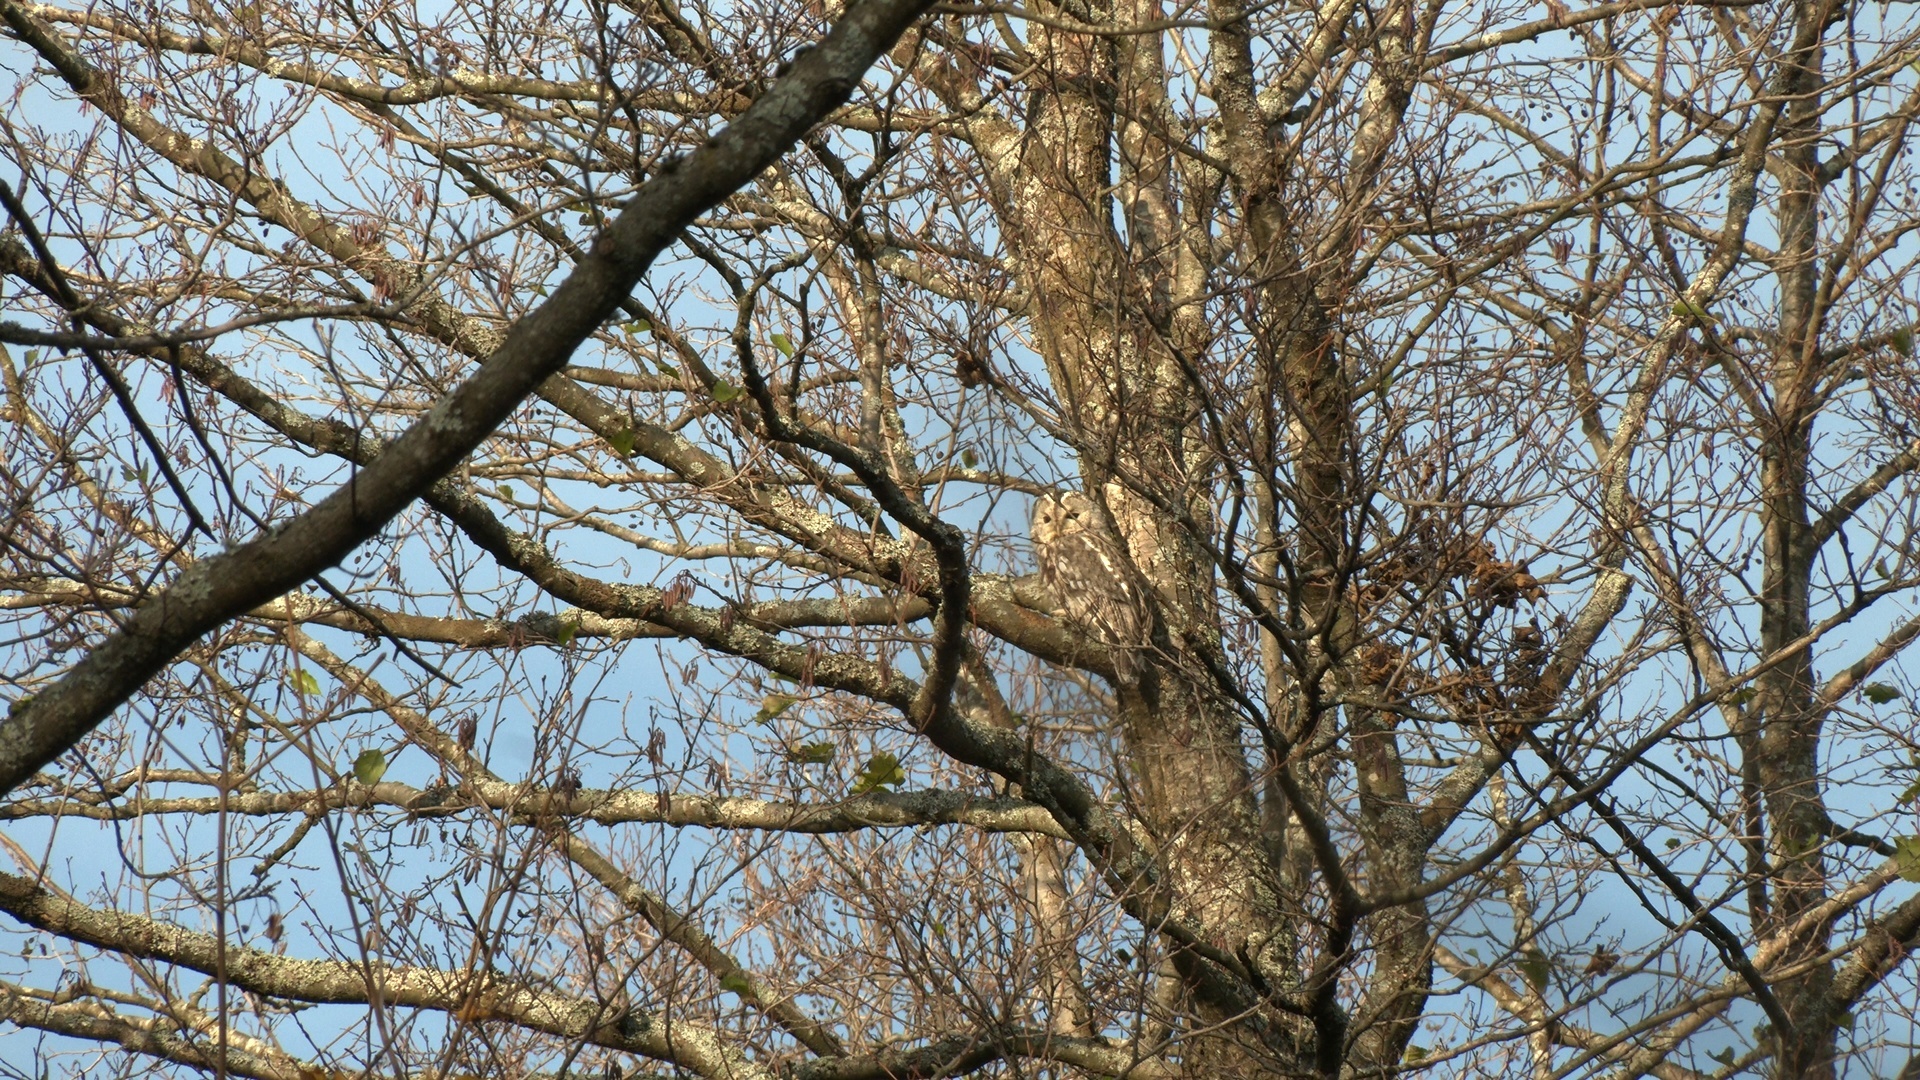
(516, 544)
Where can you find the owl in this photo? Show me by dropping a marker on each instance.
(1090, 578)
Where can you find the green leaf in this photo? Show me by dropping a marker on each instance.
(724, 391)
(369, 767)
(1906, 856)
(1910, 794)
(773, 705)
(1690, 309)
(781, 342)
(637, 326)
(736, 981)
(1880, 693)
(303, 682)
(813, 753)
(1536, 967)
(1797, 842)
(622, 441)
(882, 769)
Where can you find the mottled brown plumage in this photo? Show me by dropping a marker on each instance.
(1089, 577)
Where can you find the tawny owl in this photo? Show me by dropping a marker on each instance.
(1089, 578)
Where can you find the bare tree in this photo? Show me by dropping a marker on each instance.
(1086, 539)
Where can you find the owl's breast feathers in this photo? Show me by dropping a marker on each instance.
(1087, 573)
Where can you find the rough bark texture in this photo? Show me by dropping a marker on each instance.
(1468, 415)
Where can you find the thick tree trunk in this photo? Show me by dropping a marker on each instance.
(1787, 751)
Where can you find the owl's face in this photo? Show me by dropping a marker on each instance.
(1055, 516)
